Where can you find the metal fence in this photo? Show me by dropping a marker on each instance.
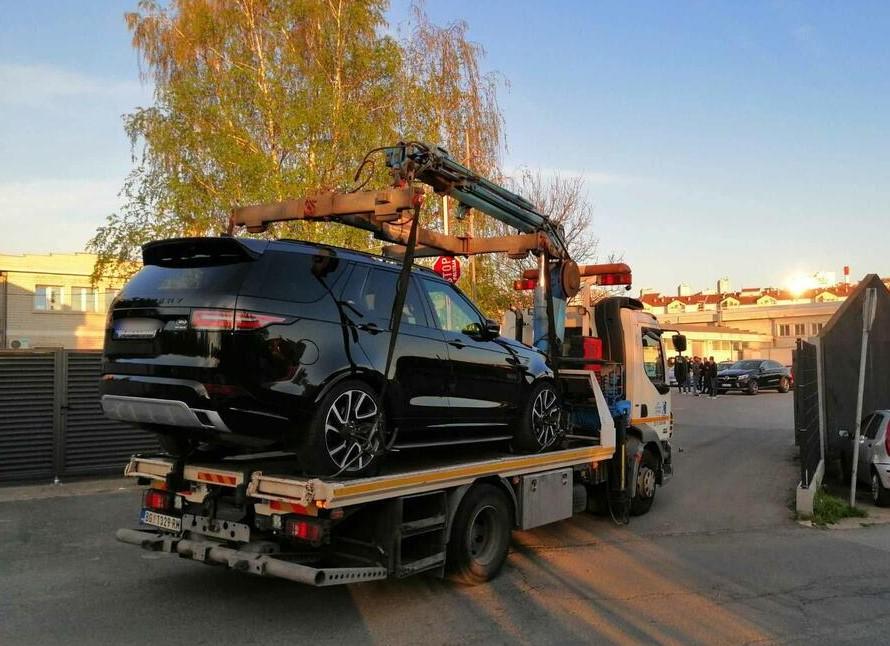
(806, 409)
(51, 422)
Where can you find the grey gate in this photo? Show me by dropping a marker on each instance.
(806, 409)
(51, 421)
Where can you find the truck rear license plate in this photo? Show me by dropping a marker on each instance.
(169, 523)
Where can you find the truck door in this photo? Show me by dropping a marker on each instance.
(646, 370)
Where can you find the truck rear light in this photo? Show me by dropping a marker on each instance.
(303, 530)
(156, 500)
(524, 283)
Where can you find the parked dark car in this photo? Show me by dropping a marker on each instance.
(754, 375)
(226, 345)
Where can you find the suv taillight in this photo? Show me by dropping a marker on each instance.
(219, 319)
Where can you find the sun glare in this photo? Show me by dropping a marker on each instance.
(799, 283)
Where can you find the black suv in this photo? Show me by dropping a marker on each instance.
(226, 345)
(753, 375)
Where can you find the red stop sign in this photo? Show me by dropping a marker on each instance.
(448, 267)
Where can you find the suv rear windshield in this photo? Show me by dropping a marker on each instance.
(214, 279)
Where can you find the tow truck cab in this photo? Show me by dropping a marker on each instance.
(626, 349)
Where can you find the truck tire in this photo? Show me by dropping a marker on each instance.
(538, 427)
(348, 410)
(480, 535)
(646, 484)
(879, 493)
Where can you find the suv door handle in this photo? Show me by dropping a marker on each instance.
(457, 343)
(369, 327)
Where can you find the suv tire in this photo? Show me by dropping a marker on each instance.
(753, 387)
(538, 427)
(879, 493)
(348, 410)
(784, 385)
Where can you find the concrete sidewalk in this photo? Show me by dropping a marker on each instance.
(84, 487)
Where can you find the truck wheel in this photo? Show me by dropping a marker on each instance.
(753, 387)
(338, 439)
(538, 428)
(480, 535)
(646, 485)
(784, 385)
(879, 493)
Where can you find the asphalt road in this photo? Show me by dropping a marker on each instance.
(717, 560)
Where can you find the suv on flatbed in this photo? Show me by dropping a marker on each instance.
(225, 345)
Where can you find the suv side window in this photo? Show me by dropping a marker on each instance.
(452, 311)
(294, 277)
(372, 292)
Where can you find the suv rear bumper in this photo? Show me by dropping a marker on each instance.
(165, 412)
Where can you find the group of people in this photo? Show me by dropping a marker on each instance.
(696, 376)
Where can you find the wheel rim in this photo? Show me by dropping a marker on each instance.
(484, 535)
(646, 482)
(754, 386)
(348, 430)
(545, 417)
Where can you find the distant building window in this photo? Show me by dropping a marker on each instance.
(766, 300)
(800, 329)
(110, 295)
(726, 303)
(701, 307)
(676, 306)
(784, 329)
(817, 328)
(83, 299)
(48, 298)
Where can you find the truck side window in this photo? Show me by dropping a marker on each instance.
(653, 357)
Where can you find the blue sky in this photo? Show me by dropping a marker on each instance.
(750, 140)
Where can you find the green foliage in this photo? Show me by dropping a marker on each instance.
(828, 509)
(257, 101)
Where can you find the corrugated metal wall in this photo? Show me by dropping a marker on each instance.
(51, 422)
(27, 395)
(93, 443)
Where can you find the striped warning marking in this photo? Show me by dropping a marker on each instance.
(216, 478)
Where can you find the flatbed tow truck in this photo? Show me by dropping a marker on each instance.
(451, 509)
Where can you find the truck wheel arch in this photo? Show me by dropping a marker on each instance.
(455, 496)
(650, 441)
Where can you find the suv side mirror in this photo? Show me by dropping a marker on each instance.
(679, 341)
(492, 328)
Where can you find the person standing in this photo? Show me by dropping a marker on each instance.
(696, 375)
(681, 372)
(712, 377)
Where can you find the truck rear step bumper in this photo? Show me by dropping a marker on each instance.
(261, 564)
